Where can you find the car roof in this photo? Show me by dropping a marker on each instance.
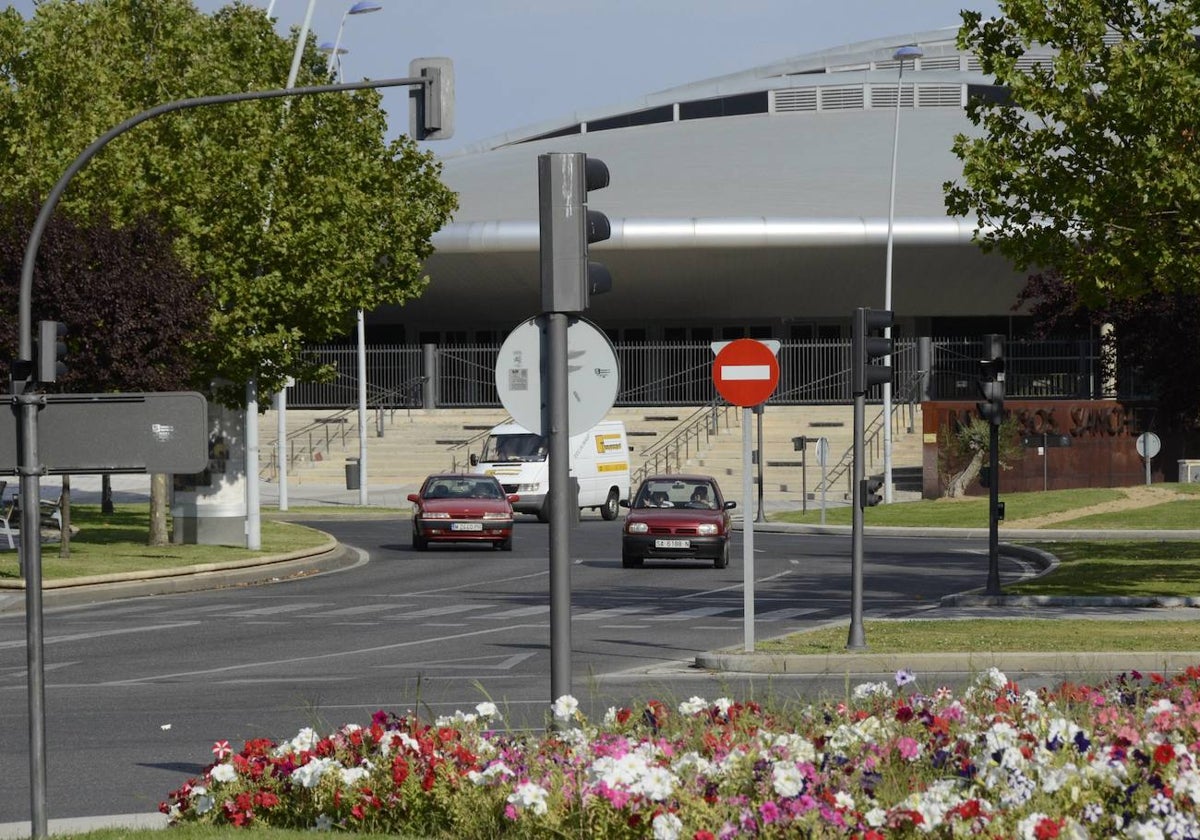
(685, 477)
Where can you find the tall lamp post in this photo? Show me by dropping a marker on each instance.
(914, 52)
(336, 50)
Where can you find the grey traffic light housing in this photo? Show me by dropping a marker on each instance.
(568, 227)
(52, 350)
(869, 495)
(866, 346)
(991, 386)
(431, 104)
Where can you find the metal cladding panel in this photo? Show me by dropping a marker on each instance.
(163, 432)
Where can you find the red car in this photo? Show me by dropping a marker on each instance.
(462, 508)
(678, 517)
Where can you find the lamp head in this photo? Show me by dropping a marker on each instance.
(362, 7)
(330, 47)
(908, 51)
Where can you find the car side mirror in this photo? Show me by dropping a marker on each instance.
(730, 505)
(474, 459)
(624, 503)
(414, 497)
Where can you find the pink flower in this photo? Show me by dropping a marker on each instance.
(909, 749)
(769, 812)
(221, 749)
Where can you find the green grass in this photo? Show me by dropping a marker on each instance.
(116, 542)
(1118, 568)
(996, 635)
(962, 513)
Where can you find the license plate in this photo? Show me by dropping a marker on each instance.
(672, 544)
(466, 526)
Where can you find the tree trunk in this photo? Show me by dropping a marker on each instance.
(957, 485)
(64, 512)
(158, 510)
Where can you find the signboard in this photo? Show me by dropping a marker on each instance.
(745, 371)
(157, 432)
(1148, 445)
(593, 374)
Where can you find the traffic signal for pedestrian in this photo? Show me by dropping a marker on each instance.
(991, 386)
(568, 227)
(52, 350)
(868, 495)
(866, 346)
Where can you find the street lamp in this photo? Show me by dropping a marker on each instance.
(362, 7)
(335, 53)
(914, 52)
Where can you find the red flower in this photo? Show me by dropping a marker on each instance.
(399, 770)
(704, 835)
(1164, 754)
(1047, 829)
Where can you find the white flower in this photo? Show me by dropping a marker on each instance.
(565, 707)
(656, 784)
(529, 796)
(610, 717)
(1144, 831)
(324, 823)
(872, 689)
(693, 706)
(723, 705)
(223, 773)
(843, 800)
(876, 817)
(201, 802)
(305, 739)
(786, 779)
(666, 826)
(350, 775)
(487, 710)
(904, 677)
(499, 769)
(308, 775)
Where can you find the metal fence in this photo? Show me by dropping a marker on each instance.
(680, 373)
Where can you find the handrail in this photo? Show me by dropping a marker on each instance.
(673, 451)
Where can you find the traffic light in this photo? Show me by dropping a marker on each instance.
(569, 278)
(431, 103)
(868, 495)
(52, 349)
(991, 386)
(866, 347)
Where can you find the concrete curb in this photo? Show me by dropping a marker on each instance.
(82, 825)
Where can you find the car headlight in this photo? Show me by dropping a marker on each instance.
(436, 514)
(498, 515)
(637, 528)
(706, 529)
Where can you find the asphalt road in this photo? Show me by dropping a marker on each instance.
(137, 691)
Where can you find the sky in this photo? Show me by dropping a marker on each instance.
(521, 62)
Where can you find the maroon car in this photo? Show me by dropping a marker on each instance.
(676, 517)
(462, 508)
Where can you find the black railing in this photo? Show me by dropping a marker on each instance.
(678, 373)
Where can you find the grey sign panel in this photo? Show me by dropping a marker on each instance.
(157, 432)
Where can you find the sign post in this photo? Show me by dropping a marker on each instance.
(746, 373)
(1148, 446)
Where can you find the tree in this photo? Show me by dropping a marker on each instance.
(1089, 165)
(964, 446)
(295, 215)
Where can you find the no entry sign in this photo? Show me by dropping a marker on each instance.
(745, 371)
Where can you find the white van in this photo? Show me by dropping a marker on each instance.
(519, 459)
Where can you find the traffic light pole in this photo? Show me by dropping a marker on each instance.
(28, 402)
(993, 580)
(557, 414)
(857, 638)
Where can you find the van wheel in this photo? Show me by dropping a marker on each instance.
(609, 509)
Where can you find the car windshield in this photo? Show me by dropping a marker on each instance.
(518, 447)
(697, 495)
(463, 488)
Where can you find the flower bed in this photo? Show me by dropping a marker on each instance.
(1113, 760)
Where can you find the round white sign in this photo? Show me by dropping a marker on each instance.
(1148, 444)
(822, 451)
(593, 374)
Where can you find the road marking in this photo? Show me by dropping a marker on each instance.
(506, 663)
(435, 611)
(277, 609)
(698, 612)
(520, 612)
(95, 634)
(602, 615)
(359, 610)
(783, 615)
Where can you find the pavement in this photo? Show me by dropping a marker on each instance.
(862, 664)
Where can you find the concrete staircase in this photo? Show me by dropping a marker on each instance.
(407, 445)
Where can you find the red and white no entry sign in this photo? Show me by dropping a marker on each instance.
(746, 372)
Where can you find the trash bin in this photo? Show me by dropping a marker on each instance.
(353, 474)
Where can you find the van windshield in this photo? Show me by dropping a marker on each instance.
(520, 447)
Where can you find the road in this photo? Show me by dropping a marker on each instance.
(137, 691)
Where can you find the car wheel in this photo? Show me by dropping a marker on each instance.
(629, 561)
(723, 559)
(504, 545)
(609, 509)
(419, 542)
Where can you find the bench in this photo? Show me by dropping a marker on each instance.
(10, 516)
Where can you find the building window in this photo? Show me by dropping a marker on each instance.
(725, 106)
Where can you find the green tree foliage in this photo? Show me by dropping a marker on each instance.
(1090, 165)
(294, 214)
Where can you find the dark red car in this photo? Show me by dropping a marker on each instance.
(677, 517)
(462, 508)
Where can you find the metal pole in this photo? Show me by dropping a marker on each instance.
(253, 519)
(993, 581)
(281, 455)
(362, 410)
(560, 476)
(804, 479)
(747, 537)
(856, 640)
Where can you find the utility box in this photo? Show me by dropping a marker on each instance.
(353, 474)
(1189, 472)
